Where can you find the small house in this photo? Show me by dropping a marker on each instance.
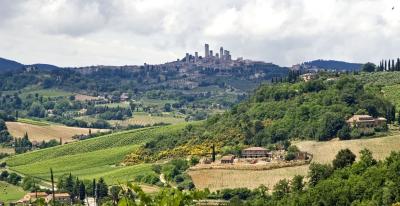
(255, 152)
(366, 121)
(228, 159)
(124, 97)
(63, 198)
(308, 76)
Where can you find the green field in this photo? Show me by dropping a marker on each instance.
(392, 93)
(33, 122)
(46, 92)
(92, 158)
(9, 192)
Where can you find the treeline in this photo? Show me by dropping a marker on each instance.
(389, 65)
(109, 113)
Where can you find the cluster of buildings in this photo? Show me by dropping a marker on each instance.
(260, 153)
(209, 55)
(63, 198)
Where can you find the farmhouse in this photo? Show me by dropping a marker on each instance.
(30, 197)
(308, 76)
(228, 159)
(255, 152)
(366, 121)
(59, 197)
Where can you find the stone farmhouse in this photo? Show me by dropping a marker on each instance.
(255, 152)
(366, 121)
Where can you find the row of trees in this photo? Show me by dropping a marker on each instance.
(384, 65)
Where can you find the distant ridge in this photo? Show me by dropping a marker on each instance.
(331, 65)
(7, 65)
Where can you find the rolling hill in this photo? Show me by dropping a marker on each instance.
(92, 158)
(9, 65)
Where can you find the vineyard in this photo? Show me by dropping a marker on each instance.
(92, 158)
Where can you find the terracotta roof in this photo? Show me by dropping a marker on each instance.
(363, 118)
(360, 118)
(255, 149)
(39, 194)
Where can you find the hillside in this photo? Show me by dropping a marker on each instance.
(92, 158)
(9, 65)
(331, 65)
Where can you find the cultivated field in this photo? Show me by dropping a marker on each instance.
(9, 192)
(46, 132)
(143, 119)
(92, 158)
(217, 179)
(83, 97)
(324, 152)
(7, 150)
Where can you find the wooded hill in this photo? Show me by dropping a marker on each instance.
(276, 113)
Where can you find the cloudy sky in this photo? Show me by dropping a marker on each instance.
(120, 32)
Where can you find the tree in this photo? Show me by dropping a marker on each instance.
(114, 192)
(281, 189)
(297, 184)
(368, 67)
(213, 152)
(82, 191)
(69, 185)
(37, 110)
(167, 107)
(52, 186)
(344, 133)
(343, 158)
(102, 189)
(318, 172)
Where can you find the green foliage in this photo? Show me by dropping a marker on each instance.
(307, 110)
(318, 172)
(37, 110)
(343, 159)
(368, 67)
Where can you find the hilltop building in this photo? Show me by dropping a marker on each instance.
(206, 50)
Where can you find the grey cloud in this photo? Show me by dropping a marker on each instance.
(82, 32)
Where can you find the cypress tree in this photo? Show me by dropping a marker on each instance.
(69, 185)
(393, 66)
(52, 186)
(389, 68)
(213, 152)
(385, 65)
(398, 64)
(94, 190)
(82, 191)
(76, 189)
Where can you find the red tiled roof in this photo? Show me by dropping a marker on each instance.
(255, 149)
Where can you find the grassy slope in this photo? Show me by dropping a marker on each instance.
(10, 192)
(92, 158)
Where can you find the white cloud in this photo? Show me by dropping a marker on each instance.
(76, 32)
